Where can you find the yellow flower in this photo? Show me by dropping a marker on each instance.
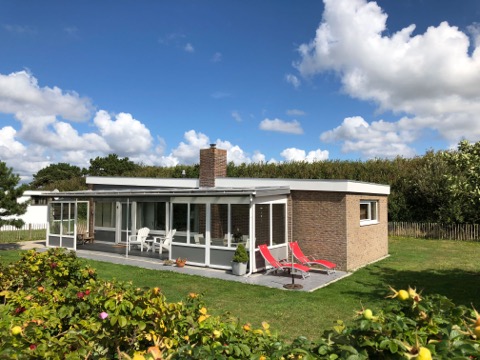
(265, 325)
(202, 318)
(246, 327)
(217, 333)
(193, 295)
(203, 311)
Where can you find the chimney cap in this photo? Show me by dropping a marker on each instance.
(213, 146)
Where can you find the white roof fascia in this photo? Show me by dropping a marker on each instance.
(134, 181)
(308, 185)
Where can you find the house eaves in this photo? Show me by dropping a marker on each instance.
(202, 192)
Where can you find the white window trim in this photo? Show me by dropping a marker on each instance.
(370, 221)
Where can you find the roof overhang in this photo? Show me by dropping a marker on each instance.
(201, 192)
(346, 186)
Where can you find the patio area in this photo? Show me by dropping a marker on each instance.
(116, 254)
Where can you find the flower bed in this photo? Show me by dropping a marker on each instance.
(53, 306)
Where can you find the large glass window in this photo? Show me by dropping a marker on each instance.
(105, 214)
(197, 223)
(278, 224)
(62, 219)
(151, 215)
(240, 223)
(262, 224)
(219, 224)
(180, 217)
(55, 218)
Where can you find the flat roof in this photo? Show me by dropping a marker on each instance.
(348, 186)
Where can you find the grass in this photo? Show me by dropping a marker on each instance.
(13, 236)
(433, 266)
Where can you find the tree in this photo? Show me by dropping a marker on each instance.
(57, 176)
(464, 181)
(9, 193)
(111, 165)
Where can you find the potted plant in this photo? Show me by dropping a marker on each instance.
(180, 262)
(240, 260)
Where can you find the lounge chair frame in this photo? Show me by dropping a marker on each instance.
(281, 264)
(309, 260)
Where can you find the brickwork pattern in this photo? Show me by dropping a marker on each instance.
(370, 242)
(213, 164)
(320, 225)
(327, 225)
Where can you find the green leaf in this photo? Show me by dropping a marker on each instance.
(122, 321)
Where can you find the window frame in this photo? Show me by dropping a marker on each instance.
(372, 212)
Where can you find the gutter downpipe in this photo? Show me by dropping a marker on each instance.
(251, 249)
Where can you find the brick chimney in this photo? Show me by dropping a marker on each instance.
(213, 164)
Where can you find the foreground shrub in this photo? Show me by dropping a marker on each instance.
(52, 306)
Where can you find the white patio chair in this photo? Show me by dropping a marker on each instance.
(199, 239)
(164, 242)
(139, 239)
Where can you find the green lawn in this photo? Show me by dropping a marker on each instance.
(433, 266)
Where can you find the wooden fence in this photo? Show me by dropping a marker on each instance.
(462, 232)
(27, 232)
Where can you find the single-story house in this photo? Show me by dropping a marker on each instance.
(37, 209)
(342, 221)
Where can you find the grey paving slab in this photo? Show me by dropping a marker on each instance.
(107, 253)
(316, 280)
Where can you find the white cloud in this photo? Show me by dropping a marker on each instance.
(291, 127)
(47, 134)
(10, 148)
(236, 116)
(217, 57)
(188, 152)
(171, 38)
(220, 95)
(125, 135)
(258, 157)
(189, 48)
(474, 30)
(294, 154)
(19, 29)
(21, 95)
(72, 31)
(431, 76)
(296, 112)
(293, 80)
(380, 139)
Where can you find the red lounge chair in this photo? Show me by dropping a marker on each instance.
(308, 260)
(281, 264)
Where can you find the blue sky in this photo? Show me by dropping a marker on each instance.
(273, 80)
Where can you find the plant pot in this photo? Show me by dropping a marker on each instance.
(239, 268)
(180, 263)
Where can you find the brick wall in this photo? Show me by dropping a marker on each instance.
(370, 242)
(318, 221)
(327, 226)
(213, 164)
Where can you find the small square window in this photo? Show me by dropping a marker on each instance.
(368, 212)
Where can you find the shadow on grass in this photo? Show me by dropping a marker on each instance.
(456, 284)
(10, 246)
